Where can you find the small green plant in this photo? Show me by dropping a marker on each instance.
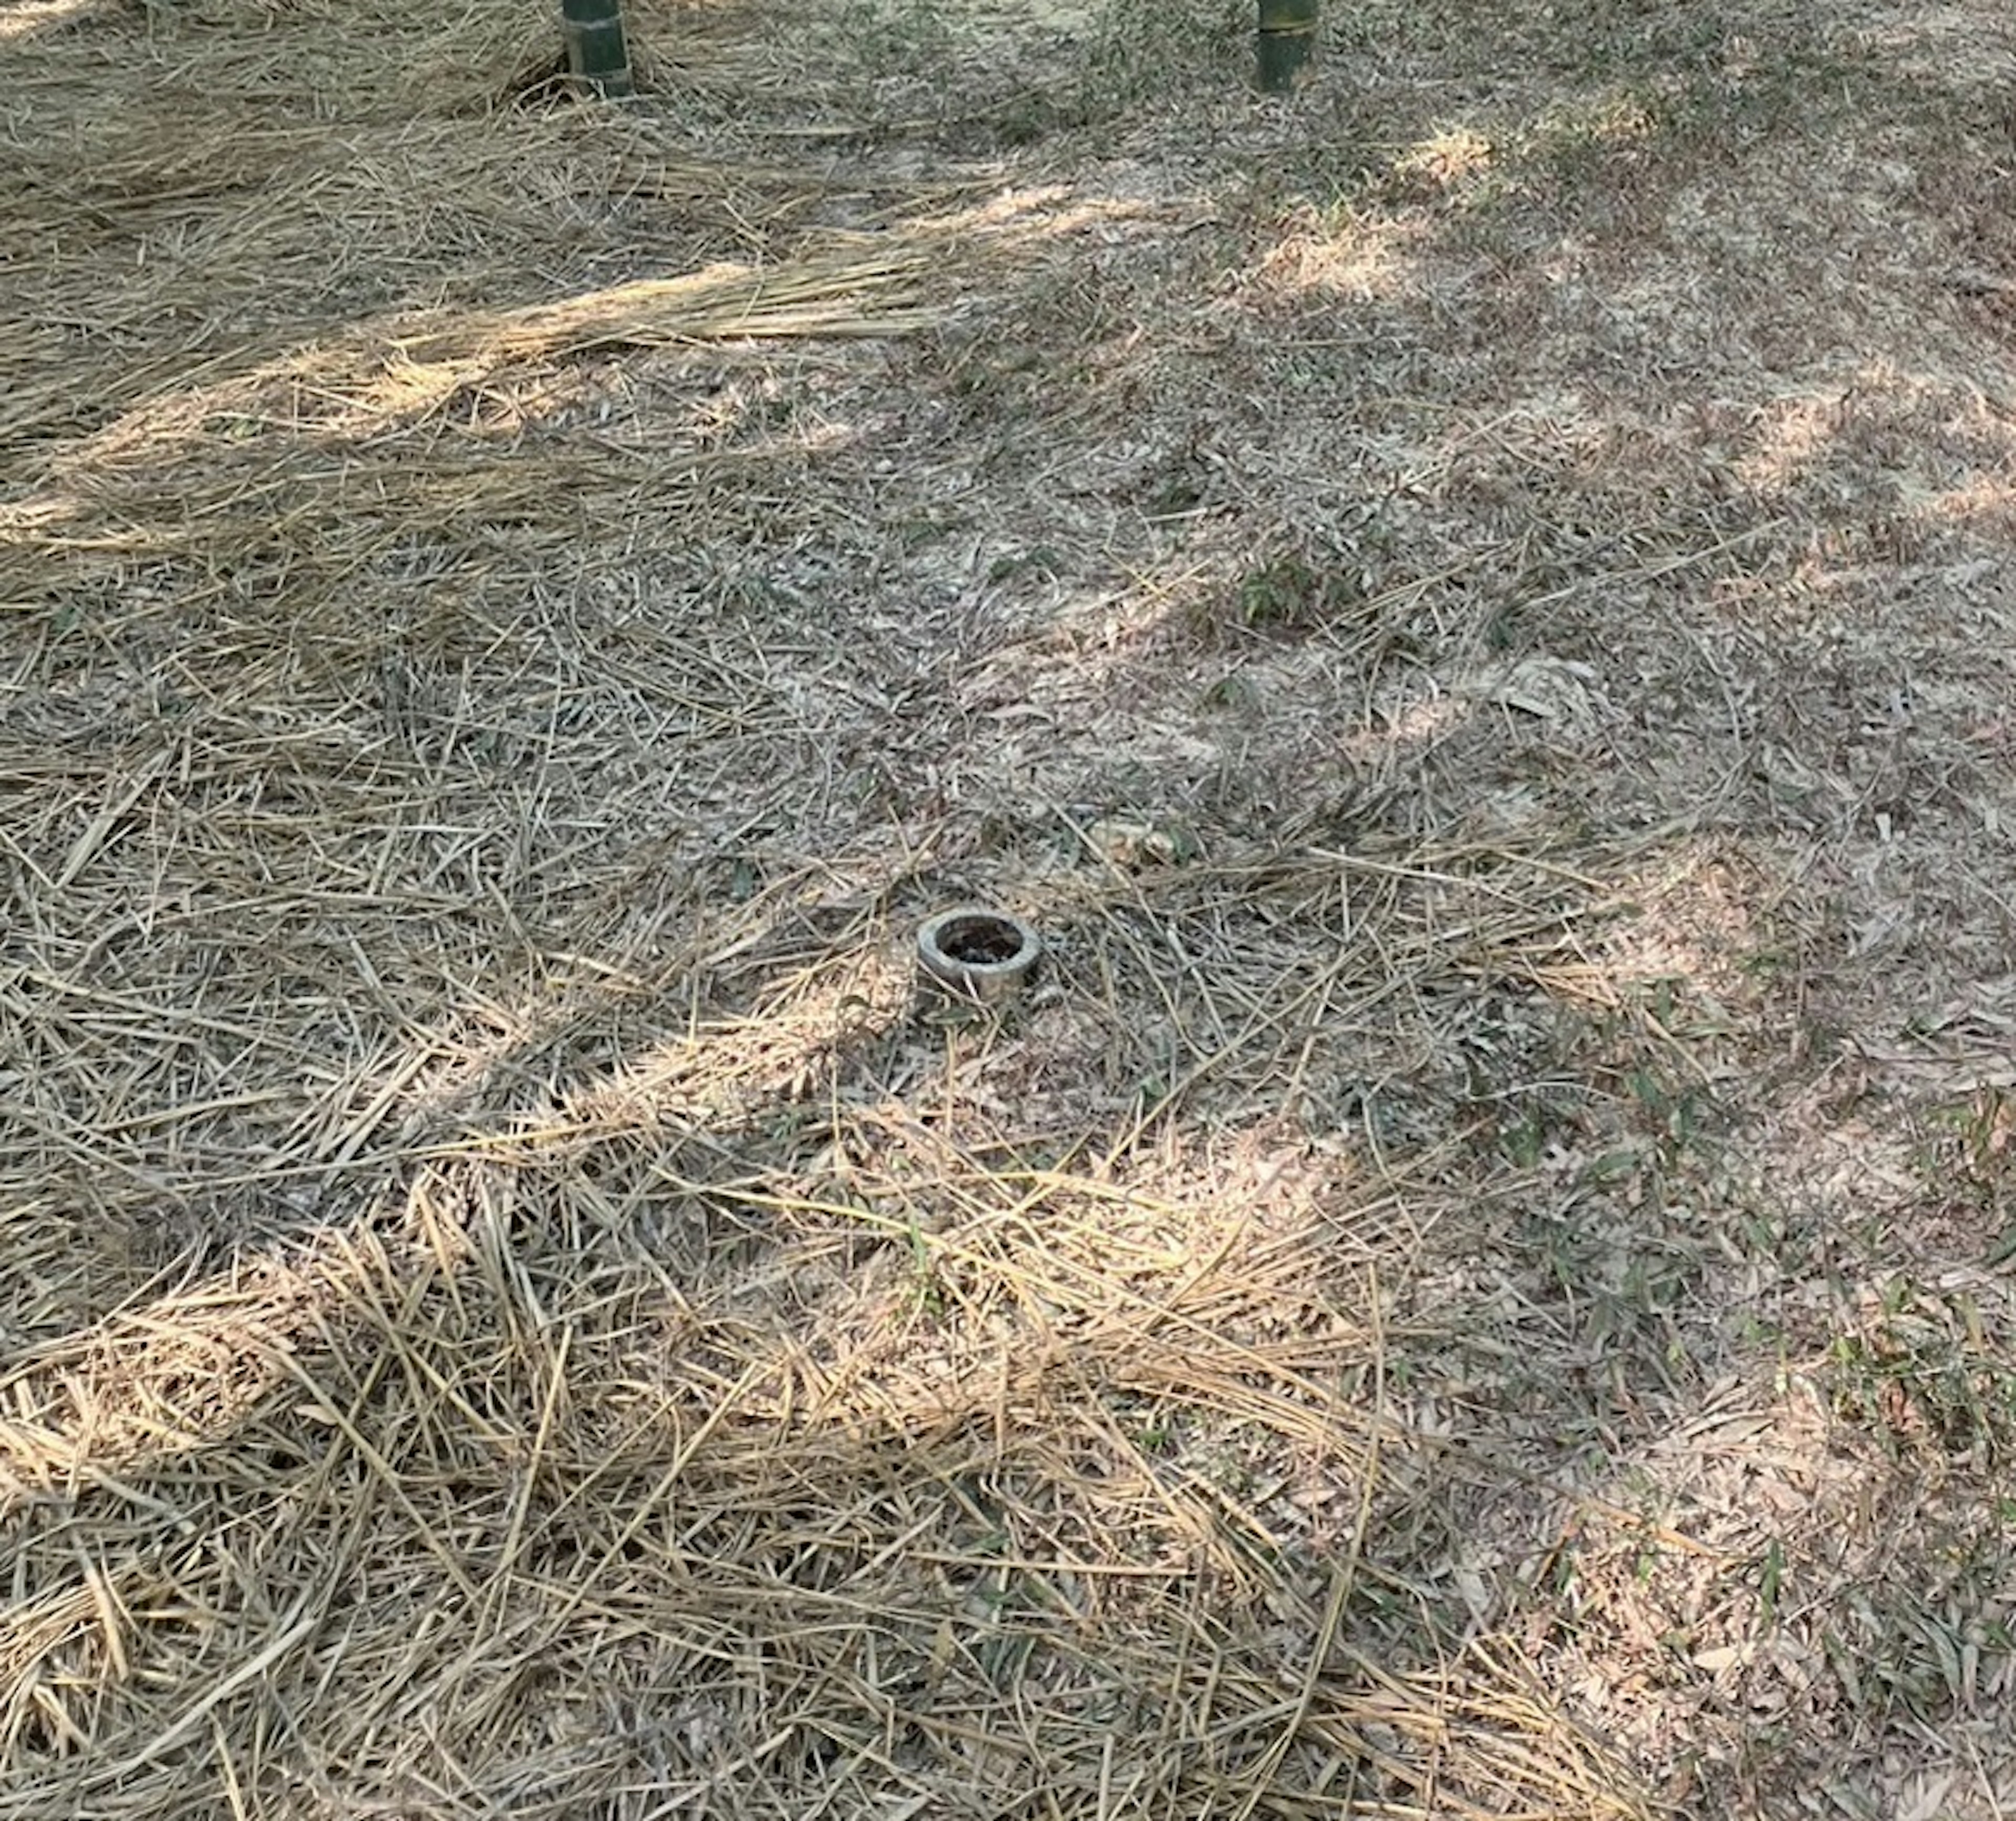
(1986, 1128)
(1770, 1582)
(1921, 1370)
(1524, 1140)
(927, 1294)
(1289, 594)
(1038, 561)
(1232, 693)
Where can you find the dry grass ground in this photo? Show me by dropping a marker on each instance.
(1474, 609)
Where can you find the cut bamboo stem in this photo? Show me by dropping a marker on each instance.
(1284, 44)
(598, 59)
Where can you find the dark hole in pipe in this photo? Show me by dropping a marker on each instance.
(980, 941)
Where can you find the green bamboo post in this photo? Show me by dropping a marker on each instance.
(598, 59)
(1284, 43)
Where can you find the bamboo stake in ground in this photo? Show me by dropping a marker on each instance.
(598, 59)
(1284, 42)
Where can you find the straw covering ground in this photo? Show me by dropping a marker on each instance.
(1472, 607)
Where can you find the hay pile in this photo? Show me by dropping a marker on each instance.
(507, 1304)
